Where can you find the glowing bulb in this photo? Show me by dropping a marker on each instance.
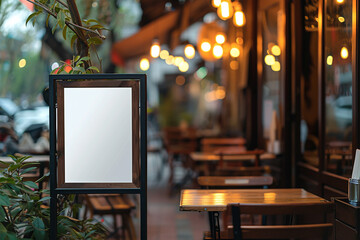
(239, 18)
(344, 53)
(276, 66)
(220, 93)
(341, 19)
(170, 60)
(184, 66)
(218, 51)
(234, 52)
(189, 51)
(178, 61)
(144, 64)
(340, 1)
(225, 10)
(276, 50)
(155, 50)
(220, 38)
(205, 46)
(329, 60)
(164, 54)
(22, 63)
(216, 3)
(269, 60)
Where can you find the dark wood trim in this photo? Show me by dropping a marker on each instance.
(355, 77)
(286, 86)
(335, 181)
(321, 81)
(80, 83)
(297, 48)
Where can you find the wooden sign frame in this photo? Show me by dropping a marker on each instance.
(138, 184)
(134, 86)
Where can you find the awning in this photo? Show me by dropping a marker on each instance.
(167, 29)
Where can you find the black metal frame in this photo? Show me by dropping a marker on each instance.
(143, 150)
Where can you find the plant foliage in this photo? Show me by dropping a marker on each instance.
(24, 211)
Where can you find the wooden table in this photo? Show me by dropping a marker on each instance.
(215, 201)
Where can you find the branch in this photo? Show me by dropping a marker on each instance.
(69, 24)
(62, 3)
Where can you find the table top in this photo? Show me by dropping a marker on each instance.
(34, 158)
(218, 199)
(211, 157)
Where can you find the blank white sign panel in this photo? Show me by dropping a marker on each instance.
(98, 135)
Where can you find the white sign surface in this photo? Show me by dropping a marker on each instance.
(98, 135)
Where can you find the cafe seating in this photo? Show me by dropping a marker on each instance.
(235, 182)
(179, 143)
(303, 221)
(112, 204)
(214, 144)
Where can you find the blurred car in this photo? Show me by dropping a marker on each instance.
(7, 109)
(34, 116)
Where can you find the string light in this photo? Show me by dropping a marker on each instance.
(216, 3)
(164, 54)
(218, 51)
(329, 60)
(344, 53)
(234, 51)
(276, 50)
(225, 11)
(269, 60)
(22, 63)
(205, 46)
(184, 66)
(144, 64)
(189, 51)
(276, 66)
(220, 38)
(155, 49)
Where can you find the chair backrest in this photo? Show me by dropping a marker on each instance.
(235, 182)
(316, 225)
(213, 144)
(180, 140)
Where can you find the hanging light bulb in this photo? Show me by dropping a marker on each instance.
(239, 18)
(218, 51)
(276, 50)
(189, 51)
(225, 11)
(220, 38)
(344, 53)
(155, 49)
(234, 51)
(216, 3)
(340, 1)
(164, 54)
(144, 64)
(205, 46)
(269, 60)
(329, 60)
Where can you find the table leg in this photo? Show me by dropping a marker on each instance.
(214, 225)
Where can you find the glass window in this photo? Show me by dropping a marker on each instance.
(309, 125)
(338, 87)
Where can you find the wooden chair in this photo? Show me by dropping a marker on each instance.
(179, 143)
(308, 221)
(213, 144)
(235, 182)
(112, 204)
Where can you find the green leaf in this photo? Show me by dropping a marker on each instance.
(31, 184)
(2, 215)
(61, 19)
(39, 229)
(76, 58)
(64, 32)
(94, 68)
(28, 170)
(4, 200)
(44, 199)
(73, 40)
(54, 28)
(31, 16)
(94, 40)
(11, 236)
